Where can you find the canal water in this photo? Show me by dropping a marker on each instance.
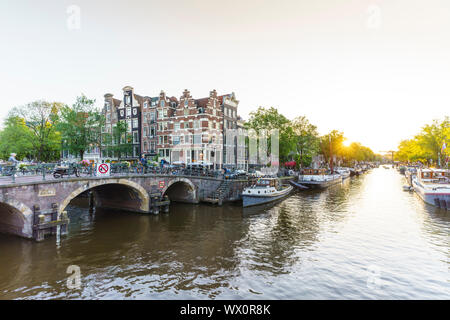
(365, 239)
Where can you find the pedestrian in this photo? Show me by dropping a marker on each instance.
(12, 158)
(143, 163)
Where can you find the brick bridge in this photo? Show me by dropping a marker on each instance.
(24, 205)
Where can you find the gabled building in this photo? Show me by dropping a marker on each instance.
(181, 130)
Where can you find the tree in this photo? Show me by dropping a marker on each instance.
(119, 141)
(41, 117)
(269, 119)
(16, 138)
(81, 126)
(306, 140)
(336, 138)
(426, 146)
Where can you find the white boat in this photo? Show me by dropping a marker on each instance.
(433, 186)
(344, 172)
(263, 191)
(318, 178)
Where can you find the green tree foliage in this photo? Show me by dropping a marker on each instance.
(336, 138)
(119, 142)
(80, 126)
(269, 119)
(16, 138)
(426, 146)
(41, 117)
(307, 141)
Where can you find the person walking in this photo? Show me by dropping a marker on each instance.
(13, 159)
(143, 163)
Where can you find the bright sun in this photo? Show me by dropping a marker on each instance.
(347, 143)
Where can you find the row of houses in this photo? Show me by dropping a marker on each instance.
(184, 130)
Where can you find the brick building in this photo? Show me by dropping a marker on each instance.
(178, 131)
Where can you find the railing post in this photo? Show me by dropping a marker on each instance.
(13, 171)
(43, 172)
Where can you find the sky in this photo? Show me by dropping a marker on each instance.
(377, 70)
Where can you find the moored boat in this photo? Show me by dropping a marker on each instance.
(433, 186)
(265, 190)
(318, 178)
(344, 172)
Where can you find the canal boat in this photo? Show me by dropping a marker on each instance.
(265, 190)
(298, 185)
(344, 172)
(318, 178)
(433, 186)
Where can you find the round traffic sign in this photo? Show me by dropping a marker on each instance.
(103, 168)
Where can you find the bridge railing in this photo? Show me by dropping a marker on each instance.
(10, 173)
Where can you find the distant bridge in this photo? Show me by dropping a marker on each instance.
(31, 207)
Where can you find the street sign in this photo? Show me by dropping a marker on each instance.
(162, 184)
(103, 169)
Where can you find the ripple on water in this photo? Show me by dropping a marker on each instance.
(366, 239)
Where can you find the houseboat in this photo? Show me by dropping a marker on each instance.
(318, 178)
(344, 172)
(433, 186)
(265, 190)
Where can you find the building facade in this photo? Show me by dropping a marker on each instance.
(183, 130)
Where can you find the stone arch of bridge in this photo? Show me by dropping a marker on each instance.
(140, 191)
(16, 218)
(182, 190)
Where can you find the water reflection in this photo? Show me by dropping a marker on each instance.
(310, 245)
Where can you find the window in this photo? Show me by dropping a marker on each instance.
(135, 137)
(107, 105)
(152, 131)
(135, 123)
(162, 103)
(121, 113)
(196, 124)
(127, 100)
(129, 125)
(176, 126)
(145, 104)
(161, 152)
(176, 140)
(165, 113)
(186, 112)
(186, 103)
(128, 111)
(108, 117)
(152, 115)
(197, 139)
(145, 131)
(134, 111)
(160, 114)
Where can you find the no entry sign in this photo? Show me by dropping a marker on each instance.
(103, 169)
(161, 184)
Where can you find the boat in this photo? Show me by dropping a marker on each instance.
(318, 178)
(344, 172)
(298, 185)
(265, 190)
(433, 186)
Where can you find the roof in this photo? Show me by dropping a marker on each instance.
(202, 102)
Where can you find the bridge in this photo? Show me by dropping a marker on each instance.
(33, 208)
